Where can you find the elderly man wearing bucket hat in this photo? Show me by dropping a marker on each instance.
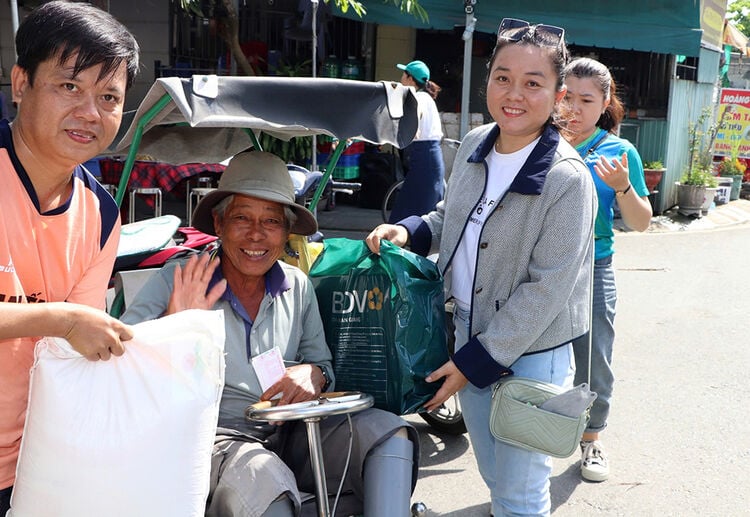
(259, 469)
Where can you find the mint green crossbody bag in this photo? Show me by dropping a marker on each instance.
(528, 413)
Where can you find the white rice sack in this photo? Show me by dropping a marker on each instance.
(131, 436)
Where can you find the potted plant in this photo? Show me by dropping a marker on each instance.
(731, 167)
(693, 188)
(696, 191)
(653, 172)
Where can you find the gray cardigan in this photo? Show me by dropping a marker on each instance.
(533, 272)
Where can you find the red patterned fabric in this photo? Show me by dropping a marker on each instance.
(166, 176)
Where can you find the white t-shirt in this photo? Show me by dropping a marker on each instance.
(430, 127)
(502, 170)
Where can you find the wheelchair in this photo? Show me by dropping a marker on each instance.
(312, 412)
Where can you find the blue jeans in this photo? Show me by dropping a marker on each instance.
(602, 341)
(518, 479)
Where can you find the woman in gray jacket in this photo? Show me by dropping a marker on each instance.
(515, 236)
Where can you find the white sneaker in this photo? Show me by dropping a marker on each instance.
(594, 464)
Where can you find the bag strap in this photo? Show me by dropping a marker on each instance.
(597, 144)
(591, 295)
(591, 282)
(591, 315)
(593, 260)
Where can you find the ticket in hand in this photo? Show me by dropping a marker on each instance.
(269, 367)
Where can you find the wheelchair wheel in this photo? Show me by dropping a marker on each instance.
(389, 200)
(448, 418)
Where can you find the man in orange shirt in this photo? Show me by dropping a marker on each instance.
(59, 229)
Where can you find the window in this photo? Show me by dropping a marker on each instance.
(273, 36)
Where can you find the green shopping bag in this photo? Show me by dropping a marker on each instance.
(384, 319)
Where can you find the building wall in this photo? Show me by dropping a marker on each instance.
(739, 71)
(148, 20)
(7, 55)
(649, 136)
(393, 44)
(686, 101)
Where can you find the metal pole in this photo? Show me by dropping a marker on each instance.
(233, 66)
(314, 37)
(468, 37)
(14, 20)
(314, 157)
(316, 461)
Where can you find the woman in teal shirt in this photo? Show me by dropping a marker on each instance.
(616, 167)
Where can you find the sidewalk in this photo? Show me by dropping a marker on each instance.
(728, 214)
(355, 223)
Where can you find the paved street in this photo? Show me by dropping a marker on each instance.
(678, 437)
(679, 440)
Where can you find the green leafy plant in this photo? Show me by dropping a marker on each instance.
(654, 165)
(701, 136)
(700, 178)
(292, 68)
(296, 150)
(738, 12)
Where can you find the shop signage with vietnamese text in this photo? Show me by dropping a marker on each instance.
(733, 139)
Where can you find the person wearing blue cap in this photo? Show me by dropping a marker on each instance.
(423, 158)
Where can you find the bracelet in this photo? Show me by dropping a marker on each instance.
(619, 193)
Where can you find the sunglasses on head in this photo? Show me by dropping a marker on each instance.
(508, 24)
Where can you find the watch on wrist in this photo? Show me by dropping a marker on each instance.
(326, 377)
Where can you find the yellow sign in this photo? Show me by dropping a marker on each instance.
(734, 138)
(712, 22)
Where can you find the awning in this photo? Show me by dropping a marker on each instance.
(667, 27)
(733, 37)
(199, 119)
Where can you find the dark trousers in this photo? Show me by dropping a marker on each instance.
(5, 499)
(423, 184)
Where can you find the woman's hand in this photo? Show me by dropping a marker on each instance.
(454, 382)
(636, 211)
(191, 285)
(390, 232)
(615, 174)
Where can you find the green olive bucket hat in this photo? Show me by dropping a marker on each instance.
(260, 175)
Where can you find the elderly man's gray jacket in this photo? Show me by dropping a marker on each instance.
(533, 271)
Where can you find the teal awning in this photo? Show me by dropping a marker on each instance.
(666, 27)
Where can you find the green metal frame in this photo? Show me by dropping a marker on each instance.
(118, 304)
(130, 160)
(326, 175)
(254, 138)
